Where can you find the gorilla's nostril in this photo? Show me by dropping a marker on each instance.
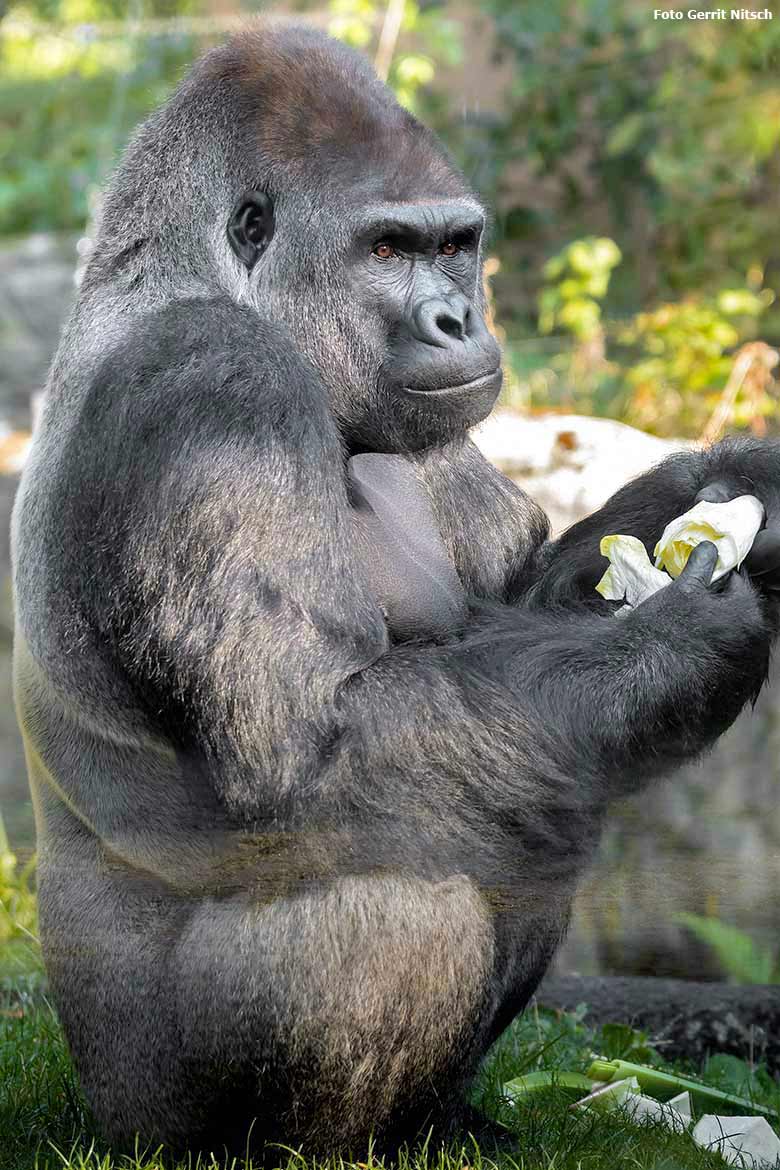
(449, 323)
(438, 322)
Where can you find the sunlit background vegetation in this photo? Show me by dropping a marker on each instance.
(632, 165)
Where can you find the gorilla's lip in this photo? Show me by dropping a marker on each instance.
(479, 383)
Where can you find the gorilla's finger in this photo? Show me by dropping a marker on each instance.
(715, 493)
(700, 566)
(763, 560)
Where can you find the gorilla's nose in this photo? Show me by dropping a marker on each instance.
(437, 321)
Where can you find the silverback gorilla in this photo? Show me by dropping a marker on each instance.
(321, 727)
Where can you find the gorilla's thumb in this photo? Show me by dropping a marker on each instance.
(699, 568)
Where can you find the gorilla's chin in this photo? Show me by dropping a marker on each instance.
(402, 418)
(440, 414)
(414, 420)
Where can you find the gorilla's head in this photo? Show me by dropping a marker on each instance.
(286, 173)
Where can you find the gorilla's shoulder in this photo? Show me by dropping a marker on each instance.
(180, 330)
(188, 346)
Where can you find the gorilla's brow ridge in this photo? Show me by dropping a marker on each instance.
(424, 226)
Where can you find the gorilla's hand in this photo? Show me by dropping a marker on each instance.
(762, 563)
(401, 549)
(722, 631)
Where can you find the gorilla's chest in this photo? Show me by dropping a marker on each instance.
(399, 544)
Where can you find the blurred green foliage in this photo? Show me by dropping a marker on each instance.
(662, 135)
(70, 96)
(669, 369)
(19, 953)
(437, 36)
(684, 363)
(575, 282)
(741, 958)
(649, 151)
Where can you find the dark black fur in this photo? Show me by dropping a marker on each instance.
(292, 869)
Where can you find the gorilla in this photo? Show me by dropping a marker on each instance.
(321, 726)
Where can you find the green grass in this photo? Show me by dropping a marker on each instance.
(45, 1125)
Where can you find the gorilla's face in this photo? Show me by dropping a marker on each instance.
(386, 300)
(416, 271)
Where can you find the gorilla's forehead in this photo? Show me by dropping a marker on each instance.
(353, 179)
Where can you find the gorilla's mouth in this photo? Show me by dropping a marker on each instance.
(491, 380)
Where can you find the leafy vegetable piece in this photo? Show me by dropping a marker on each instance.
(631, 574)
(537, 1082)
(663, 1086)
(622, 1042)
(730, 526)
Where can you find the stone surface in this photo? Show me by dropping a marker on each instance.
(683, 1018)
(36, 291)
(571, 465)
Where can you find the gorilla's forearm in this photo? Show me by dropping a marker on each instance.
(564, 711)
(503, 746)
(573, 565)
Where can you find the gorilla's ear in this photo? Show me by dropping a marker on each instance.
(251, 227)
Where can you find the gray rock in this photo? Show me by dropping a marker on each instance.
(36, 290)
(684, 1019)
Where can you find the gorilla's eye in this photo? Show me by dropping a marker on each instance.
(383, 251)
(449, 249)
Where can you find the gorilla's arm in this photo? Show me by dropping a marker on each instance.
(221, 579)
(497, 535)
(573, 564)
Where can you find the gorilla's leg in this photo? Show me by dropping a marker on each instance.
(368, 993)
(109, 938)
(368, 996)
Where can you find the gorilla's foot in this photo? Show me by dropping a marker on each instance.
(491, 1137)
(464, 1129)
